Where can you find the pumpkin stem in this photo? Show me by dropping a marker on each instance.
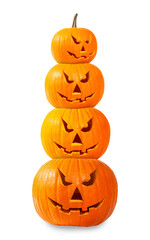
(74, 24)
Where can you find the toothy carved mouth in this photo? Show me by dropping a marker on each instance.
(75, 209)
(83, 56)
(75, 151)
(76, 99)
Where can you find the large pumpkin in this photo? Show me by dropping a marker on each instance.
(74, 85)
(83, 132)
(74, 45)
(77, 192)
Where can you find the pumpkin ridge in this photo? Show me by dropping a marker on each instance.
(57, 192)
(40, 203)
(49, 210)
(111, 190)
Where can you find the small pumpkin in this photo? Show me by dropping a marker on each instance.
(83, 132)
(74, 45)
(74, 85)
(77, 192)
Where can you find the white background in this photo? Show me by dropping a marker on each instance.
(122, 29)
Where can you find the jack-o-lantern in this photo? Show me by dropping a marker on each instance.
(75, 192)
(81, 133)
(74, 85)
(74, 45)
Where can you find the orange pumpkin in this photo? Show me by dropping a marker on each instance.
(74, 45)
(76, 192)
(74, 85)
(83, 132)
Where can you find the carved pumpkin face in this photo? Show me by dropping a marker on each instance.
(74, 85)
(83, 132)
(78, 192)
(74, 45)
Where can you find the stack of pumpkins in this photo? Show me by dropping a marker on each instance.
(75, 188)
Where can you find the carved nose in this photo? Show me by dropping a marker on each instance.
(77, 139)
(76, 195)
(77, 89)
(82, 49)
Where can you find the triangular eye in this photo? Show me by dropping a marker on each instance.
(66, 126)
(75, 40)
(92, 179)
(86, 78)
(62, 176)
(88, 128)
(67, 78)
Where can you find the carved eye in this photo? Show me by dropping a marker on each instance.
(87, 41)
(75, 40)
(86, 78)
(67, 78)
(92, 179)
(65, 183)
(88, 128)
(65, 126)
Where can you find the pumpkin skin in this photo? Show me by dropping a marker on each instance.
(75, 192)
(74, 45)
(74, 85)
(79, 133)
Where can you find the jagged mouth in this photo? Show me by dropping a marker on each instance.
(67, 211)
(75, 151)
(83, 56)
(76, 99)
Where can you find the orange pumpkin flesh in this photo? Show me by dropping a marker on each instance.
(77, 192)
(83, 132)
(74, 85)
